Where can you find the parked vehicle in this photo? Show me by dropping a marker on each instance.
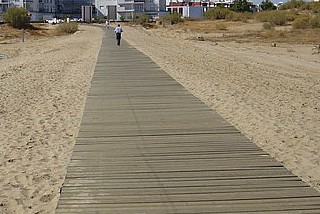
(54, 21)
(75, 20)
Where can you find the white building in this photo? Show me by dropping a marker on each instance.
(187, 9)
(106, 8)
(46, 9)
(5, 4)
(129, 9)
(197, 8)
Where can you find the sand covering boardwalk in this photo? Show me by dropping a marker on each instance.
(146, 145)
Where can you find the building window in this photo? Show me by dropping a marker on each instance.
(138, 7)
(128, 7)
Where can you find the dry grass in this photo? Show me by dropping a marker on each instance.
(211, 30)
(8, 34)
(252, 31)
(307, 36)
(204, 26)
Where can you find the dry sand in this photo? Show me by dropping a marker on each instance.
(43, 86)
(271, 94)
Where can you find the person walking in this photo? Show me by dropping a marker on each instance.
(107, 24)
(118, 32)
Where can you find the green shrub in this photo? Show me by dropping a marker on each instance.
(67, 28)
(95, 19)
(293, 4)
(314, 21)
(173, 18)
(274, 17)
(244, 17)
(301, 22)
(263, 16)
(217, 13)
(267, 5)
(144, 19)
(241, 6)
(306, 21)
(315, 7)
(17, 18)
(268, 26)
(291, 15)
(311, 6)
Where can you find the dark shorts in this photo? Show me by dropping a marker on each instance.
(118, 35)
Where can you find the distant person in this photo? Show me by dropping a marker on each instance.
(107, 24)
(118, 32)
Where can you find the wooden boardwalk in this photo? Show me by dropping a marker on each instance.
(147, 146)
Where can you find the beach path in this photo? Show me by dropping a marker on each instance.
(147, 145)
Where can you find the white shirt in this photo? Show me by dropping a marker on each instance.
(118, 30)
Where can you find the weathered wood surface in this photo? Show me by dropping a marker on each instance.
(146, 145)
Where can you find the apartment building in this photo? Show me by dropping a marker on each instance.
(45, 9)
(197, 8)
(111, 9)
(129, 9)
(71, 6)
(5, 4)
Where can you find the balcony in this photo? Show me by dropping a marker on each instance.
(124, 9)
(122, 2)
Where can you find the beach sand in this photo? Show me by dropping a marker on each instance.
(43, 87)
(271, 94)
